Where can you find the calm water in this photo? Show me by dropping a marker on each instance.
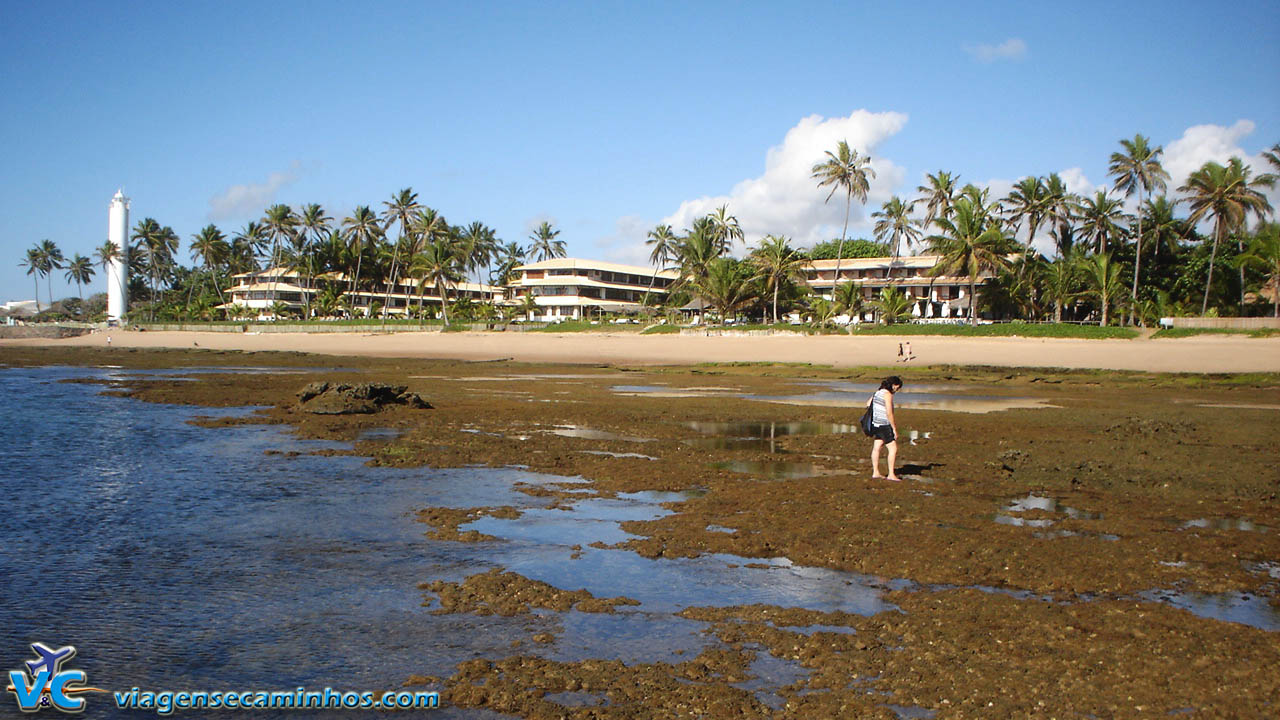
(179, 557)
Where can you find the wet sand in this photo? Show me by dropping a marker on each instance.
(1032, 538)
(1207, 353)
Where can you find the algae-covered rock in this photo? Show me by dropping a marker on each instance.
(324, 398)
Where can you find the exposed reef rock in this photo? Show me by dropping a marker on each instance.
(324, 398)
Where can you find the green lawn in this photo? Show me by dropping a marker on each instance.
(1191, 332)
(1042, 330)
(585, 326)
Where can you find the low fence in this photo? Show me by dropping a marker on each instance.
(282, 328)
(1249, 323)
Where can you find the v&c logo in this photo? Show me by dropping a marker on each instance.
(45, 683)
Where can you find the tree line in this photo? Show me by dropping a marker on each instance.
(1105, 260)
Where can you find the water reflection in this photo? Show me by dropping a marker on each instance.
(855, 395)
(773, 469)
(761, 435)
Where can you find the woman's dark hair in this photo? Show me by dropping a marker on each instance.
(889, 382)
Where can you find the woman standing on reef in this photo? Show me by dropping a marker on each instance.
(884, 427)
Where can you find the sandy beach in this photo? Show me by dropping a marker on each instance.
(1203, 354)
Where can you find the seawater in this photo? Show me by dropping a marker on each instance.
(179, 557)
(175, 557)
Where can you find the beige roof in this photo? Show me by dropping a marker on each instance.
(910, 261)
(558, 300)
(278, 271)
(277, 286)
(583, 264)
(573, 281)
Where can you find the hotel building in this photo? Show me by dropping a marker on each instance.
(573, 288)
(942, 296)
(262, 289)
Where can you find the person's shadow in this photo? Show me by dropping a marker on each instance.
(917, 468)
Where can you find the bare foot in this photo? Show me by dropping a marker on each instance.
(895, 478)
(877, 477)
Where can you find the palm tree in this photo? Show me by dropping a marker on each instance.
(361, 229)
(663, 242)
(150, 238)
(971, 243)
(893, 221)
(1028, 202)
(1102, 216)
(1060, 205)
(938, 193)
(892, 304)
(1103, 281)
(695, 252)
(313, 225)
(528, 305)
(439, 263)
(510, 257)
(248, 244)
(1137, 169)
(1264, 254)
(1272, 157)
(844, 169)
(51, 259)
(822, 312)
(79, 271)
(33, 263)
(725, 229)
(723, 287)
(1227, 193)
(1061, 282)
(777, 264)
(211, 248)
(279, 222)
(399, 210)
(543, 244)
(847, 298)
(479, 246)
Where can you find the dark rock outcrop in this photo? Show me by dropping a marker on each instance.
(325, 398)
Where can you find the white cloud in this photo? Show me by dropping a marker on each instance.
(785, 200)
(1200, 144)
(239, 201)
(1011, 49)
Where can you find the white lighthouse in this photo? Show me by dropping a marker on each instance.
(118, 270)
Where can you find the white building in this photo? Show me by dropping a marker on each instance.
(574, 288)
(941, 296)
(262, 289)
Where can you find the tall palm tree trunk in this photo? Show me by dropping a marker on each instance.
(775, 303)
(973, 304)
(1217, 235)
(1240, 249)
(848, 204)
(1137, 256)
(443, 292)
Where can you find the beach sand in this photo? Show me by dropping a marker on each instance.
(1201, 354)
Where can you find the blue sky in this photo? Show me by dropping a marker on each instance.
(603, 117)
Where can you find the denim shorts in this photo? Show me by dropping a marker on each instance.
(883, 432)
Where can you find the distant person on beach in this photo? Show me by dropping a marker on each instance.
(910, 355)
(884, 426)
